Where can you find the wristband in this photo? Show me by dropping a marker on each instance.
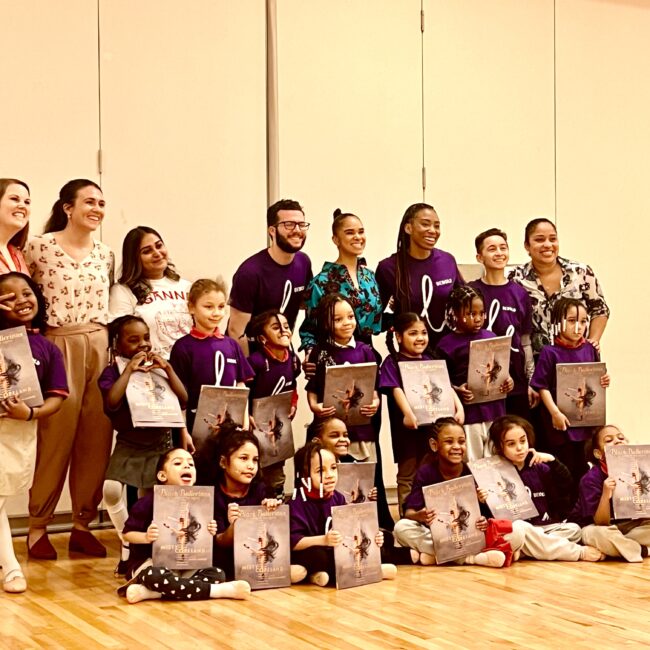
(31, 414)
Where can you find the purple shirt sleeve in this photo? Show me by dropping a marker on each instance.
(389, 375)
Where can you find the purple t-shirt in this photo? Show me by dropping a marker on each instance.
(140, 518)
(207, 361)
(509, 312)
(273, 376)
(454, 349)
(256, 494)
(308, 518)
(589, 493)
(260, 283)
(338, 356)
(545, 376)
(549, 485)
(50, 368)
(143, 437)
(431, 282)
(427, 474)
(389, 374)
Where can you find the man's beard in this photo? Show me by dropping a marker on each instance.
(284, 244)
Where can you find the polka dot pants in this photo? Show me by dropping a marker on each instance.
(173, 587)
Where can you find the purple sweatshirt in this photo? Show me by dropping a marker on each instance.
(308, 518)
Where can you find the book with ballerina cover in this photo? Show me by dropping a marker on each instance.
(489, 367)
(428, 389)
(355, 481)
(348, 388)
(579, 393)
(358, 558)
(151, 400)
(182, 514)
(262, 548)
(17, 370)
(273, 427)
(453, 528)
(508, 497)
(629, 465)
(218, 405)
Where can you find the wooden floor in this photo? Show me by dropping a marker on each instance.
(72, 604)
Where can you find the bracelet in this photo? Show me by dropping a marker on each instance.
(31, 414)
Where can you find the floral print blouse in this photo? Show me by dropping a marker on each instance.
(76, 292)
(578, 281)
(335, 278)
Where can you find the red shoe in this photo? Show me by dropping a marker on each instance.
(42, 549)
(83, 541)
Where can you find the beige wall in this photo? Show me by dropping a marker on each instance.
(527, 106)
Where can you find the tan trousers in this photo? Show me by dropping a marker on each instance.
(79, 435)
(611, 541)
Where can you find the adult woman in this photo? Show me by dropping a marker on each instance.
(150, 287)
(74, 272)
(419, 277)
(349, 276)
(549, 277)
(15, 208)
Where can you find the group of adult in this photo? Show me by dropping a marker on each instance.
(75, 273)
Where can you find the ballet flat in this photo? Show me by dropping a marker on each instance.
(42, 549)
(83, 541)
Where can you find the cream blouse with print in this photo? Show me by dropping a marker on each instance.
(76, 292)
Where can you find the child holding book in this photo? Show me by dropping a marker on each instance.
(205, 355)
(229, 460)
(410, 440)
(466, 315)
(148, 582)
(312, 541)
(137, 449)
(23, 304)
(509, 312)
(548, 482)
(337, 346)
(276, 367)
(570, 323)
(629, 539)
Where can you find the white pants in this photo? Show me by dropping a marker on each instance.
(533, 542)
(8, 560)
(566, 529)
(478, 440)
(611, 541)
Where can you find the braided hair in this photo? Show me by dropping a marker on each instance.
(560, 312)
(461, 298)
(115, 330)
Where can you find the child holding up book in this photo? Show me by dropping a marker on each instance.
(137, 449)
(205, 355)
(229, 460)
(570, 323)
(630, 538)
(410, 440)
(548, 482)
(148, 582)
(276, 367)
(23, 304)
(509, 312)
(336, 345)
(312, 541)
(466, 316)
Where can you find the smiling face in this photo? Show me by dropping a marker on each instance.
(413, 340)
(23, 307)
(329, 470)
(424, 232)
(514, 444)
(345, 322)
(240, 468)
(450, 444)
(608, 435)
(86, 212)
(15, 208)
(277, 333)
(285, 235)
(153, 257)
(133, 338)
(208, 311)
(334, 437)
(543, 245)
(495, 253)
(178, 469)
(350, 237)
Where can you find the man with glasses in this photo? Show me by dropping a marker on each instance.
(276, 277)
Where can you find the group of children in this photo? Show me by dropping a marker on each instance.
(229, 459)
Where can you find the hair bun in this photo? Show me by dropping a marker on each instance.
(337, 213)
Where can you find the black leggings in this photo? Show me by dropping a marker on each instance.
(173, 587)
(315, 559)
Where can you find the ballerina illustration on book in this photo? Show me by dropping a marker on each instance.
(349, 398)
(217, 420)
(273, 431)
(489, 372)
(639, 484)
(583, 397)
(359, 549)
(267, 548)
(457, 522)
(9, 375)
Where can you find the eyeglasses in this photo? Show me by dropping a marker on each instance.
(290, 226)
